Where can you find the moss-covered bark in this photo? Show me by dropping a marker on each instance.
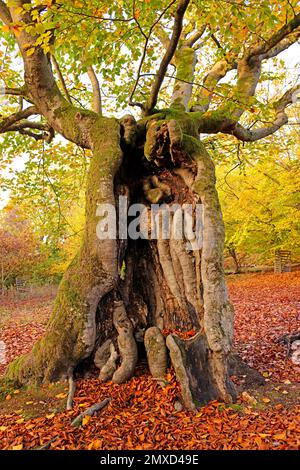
(163, 285)
(194, 166)
(70, 335)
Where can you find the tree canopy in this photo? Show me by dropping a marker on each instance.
(140, 57)
(146, 54)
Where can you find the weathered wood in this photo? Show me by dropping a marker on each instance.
(282, 261)
(155, 346)
(288, 340)
(193, 368)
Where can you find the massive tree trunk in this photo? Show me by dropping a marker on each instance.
(116, 289)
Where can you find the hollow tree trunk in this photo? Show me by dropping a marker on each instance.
(115, 290)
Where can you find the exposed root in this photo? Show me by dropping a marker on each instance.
(157, 356)
(102, 354)
(126, 343)
(109, 368)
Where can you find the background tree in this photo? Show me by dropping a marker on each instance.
(19, 252)
(169, 61)
(259, 193)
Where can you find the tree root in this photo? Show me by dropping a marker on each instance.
(156, 353)
(126, 342)
(109, 368)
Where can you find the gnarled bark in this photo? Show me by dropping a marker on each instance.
(71, 331)
(168, 284)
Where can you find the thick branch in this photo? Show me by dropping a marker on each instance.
(4, 13)
(61, 78)
(191, 41)
(282, 45)
(232, 127)
(96, 103)
(249, 66)
(177, 28)
(268, 44)
(217, 72)
(13, 118)
(13, 91)
(64, 118)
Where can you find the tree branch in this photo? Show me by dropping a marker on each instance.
(232, 127)
(12, 91)
(177, 28)
(282, 45)
(4, 13)
(217, 72)
(69, 121)
(96, 102)
(265, 46)
(147, 37)
(61, 78)
(191, 41)
(18, 116)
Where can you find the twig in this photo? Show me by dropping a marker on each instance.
(90, 411)
(61, 78)
(47, 445)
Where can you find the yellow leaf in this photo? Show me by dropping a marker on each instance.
(258, 441)
(266, 374)
(50, 416)
(85, 420)
(19, 421)
(61, 395)
(8, 397)
(266, 400)
(16, 392)
(18, 10)
(30, 51)
(19, 411)
(29, 402)
(95, 445)
(18, 447)
(3, 428)
(82, 404)
(281, 436)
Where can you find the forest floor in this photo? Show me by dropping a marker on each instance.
(141, 415)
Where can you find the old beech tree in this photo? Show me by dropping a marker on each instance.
(186, 68)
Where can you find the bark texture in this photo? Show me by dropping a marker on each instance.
(102, 312)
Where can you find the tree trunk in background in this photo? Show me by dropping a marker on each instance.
(115, 290)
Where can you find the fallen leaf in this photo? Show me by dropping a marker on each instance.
(266, 400)
(61, 395)
(85, 420)
(18, 447)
